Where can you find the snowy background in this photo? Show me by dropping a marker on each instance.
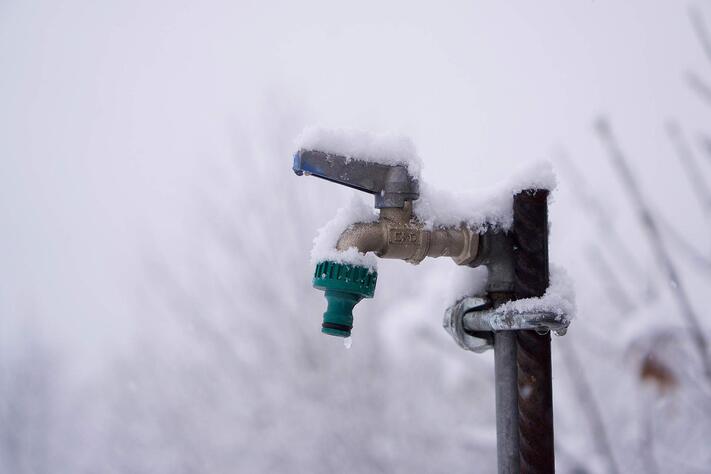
(156, 313)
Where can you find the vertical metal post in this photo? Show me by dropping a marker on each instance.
(506, 377)
(535, 392)
(500, 290)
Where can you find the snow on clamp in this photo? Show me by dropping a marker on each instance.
(472, 320)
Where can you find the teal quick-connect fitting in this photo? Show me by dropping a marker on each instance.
(345, 285)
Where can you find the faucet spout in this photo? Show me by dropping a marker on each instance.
(365, 237)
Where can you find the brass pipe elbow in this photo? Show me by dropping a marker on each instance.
(397, 235)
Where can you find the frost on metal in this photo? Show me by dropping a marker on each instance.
(558, 299)
(325, 242)
(384, 148)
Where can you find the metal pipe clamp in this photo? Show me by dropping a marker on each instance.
(472, 320)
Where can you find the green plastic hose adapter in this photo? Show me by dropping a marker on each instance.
(345, 285)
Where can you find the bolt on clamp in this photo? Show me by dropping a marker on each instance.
(472, 321)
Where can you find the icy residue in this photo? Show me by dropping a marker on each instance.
(559, 298)
(480, 208)
(385, 148)
(325, 242)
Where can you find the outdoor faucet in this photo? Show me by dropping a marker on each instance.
(514, 317)
(397, 234)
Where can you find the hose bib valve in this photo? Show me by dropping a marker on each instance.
(345, 285)
(397, 234)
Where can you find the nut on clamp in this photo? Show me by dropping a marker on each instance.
(454, 324)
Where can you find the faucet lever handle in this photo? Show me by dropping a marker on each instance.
(392, 185)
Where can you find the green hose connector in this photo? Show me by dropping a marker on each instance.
(345, 285)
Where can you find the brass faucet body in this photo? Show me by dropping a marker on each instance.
(398, 234)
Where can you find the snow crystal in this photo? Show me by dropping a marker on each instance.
(559, 298)
(480, 208)
(325, 242)
(534, 175)
(385, 148)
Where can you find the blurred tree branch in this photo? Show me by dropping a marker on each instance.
(688, 162)
(593, 207)
(699, 86)
(705, 141)
(611, 283)
(700, 261)
(699, 26)
(590, 408)
(651, 230)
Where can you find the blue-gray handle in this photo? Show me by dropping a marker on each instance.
(392, 185)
